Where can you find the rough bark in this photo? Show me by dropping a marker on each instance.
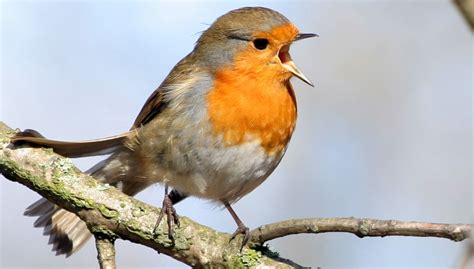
(105, 251)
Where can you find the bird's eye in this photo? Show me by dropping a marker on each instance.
(260, 43)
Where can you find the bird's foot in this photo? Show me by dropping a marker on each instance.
(244, 230)
(171, 215)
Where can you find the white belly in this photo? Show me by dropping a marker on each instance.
(225, 173)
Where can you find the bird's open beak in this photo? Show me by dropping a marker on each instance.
(288, 63)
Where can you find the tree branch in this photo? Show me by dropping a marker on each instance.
(105, 252)
(361, 228)
(466, 7)
(111, 214)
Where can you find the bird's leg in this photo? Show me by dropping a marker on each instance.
(170, 212)
(241, 228)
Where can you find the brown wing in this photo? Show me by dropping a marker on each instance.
(156, 102)
(152, 107)
(72, 149)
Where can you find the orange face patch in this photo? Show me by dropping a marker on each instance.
(253, 98)
(281, 34)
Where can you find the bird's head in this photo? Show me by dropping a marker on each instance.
(254, 41)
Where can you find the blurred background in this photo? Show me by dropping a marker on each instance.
(385, 133)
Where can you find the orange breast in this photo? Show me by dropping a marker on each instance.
(245, 104)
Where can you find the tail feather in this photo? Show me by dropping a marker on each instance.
(39, 208)
(67, 232)
(44, 220)
(96, 147)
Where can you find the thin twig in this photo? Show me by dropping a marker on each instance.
(361, 228)
(105, 252)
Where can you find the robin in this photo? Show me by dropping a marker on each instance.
(215, 128)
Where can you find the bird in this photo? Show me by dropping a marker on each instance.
(215, 128)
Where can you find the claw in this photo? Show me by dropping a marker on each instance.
(244, 230)
(171, 215)
(241, 228)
